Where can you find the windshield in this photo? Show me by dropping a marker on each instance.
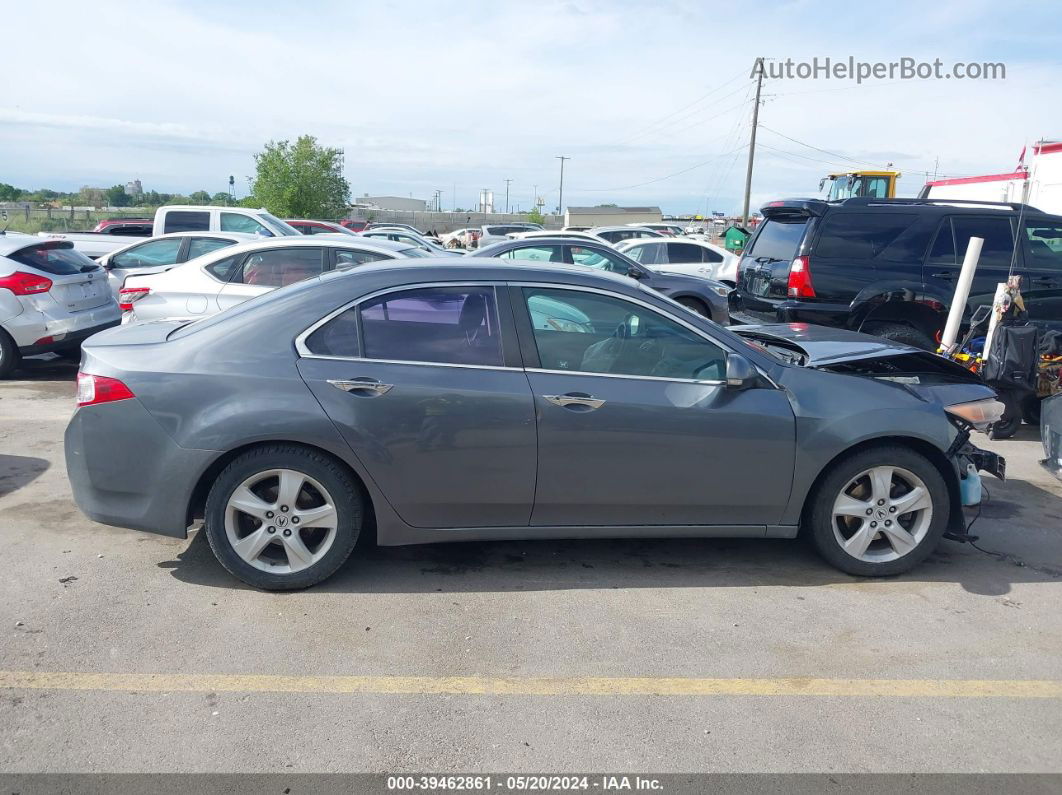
(278, 226)
(59, 259)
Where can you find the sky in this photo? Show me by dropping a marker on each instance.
(652, 102)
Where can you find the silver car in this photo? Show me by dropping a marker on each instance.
(456, 400)
(51, 298)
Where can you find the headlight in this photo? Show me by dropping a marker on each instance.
(978, 413)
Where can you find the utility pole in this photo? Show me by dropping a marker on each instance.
(560, 200)
(752, 142)
(507, 195)
(534, 196)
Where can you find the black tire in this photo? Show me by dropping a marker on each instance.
(818, 516)
(1030, 410)
(1010, 421)
(899, 332)
(345, 492)
(695, 305)
(9, 355)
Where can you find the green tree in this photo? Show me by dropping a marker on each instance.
(300, 180)
(199, 197)
(116, 196)
(220, 198)
(9, 193)
(536, 216)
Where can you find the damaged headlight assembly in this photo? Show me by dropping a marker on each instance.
(978, 414)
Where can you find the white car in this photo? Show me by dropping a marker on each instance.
(561, 233)
(51, 298)
(224, 278)
(614, 234)
(668, 229)
(157, 254)
(684, 255)
(398, 235)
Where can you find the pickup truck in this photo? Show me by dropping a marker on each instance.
(182, 218)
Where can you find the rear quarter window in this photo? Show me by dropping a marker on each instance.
(187, 221)
(779, 238)
(870, 235)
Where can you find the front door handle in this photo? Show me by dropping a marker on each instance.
(946, 275)
(363, 387)
(576, 401)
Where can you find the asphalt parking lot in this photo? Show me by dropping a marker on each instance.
(124, 651)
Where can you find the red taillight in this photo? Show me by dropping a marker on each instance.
(127, 296)
(26, 283)
(93, 389)
(800, 278)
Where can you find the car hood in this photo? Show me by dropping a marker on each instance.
(823, 345)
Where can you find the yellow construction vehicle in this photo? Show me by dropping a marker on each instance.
(874, 184)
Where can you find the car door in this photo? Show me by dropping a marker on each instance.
(151, 256)
(949, 249)
(636, 425)
(425, 384)
(1042, 287)
(262, 271)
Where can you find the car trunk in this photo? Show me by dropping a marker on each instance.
(78, 292)
(763, 272)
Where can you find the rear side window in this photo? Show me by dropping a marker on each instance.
(187, 221)
(280, 267)
(862, 235)
(447, 325)
(779, 238)
(997, 233)
(1043, 241)
(224, 269)
(683, 253)
(56, 259)
(146, 255)
(649, 254)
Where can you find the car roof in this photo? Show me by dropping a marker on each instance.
(16, 241)
(482, 268)
(626, 228)
(558, 240)
(304, 241)
(308, 221)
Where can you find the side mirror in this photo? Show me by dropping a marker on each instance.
(740, 374)
(636, 273)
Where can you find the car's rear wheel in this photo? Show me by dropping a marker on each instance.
(9, 355)
(879, 512)
(283, 517)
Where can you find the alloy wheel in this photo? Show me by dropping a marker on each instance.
(281, 521)
(882, 514)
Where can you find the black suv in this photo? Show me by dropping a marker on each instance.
(889, 266)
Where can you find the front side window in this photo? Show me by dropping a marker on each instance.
(593, 333)
(1043, 245)
(280, 267)
(683, 253)
(446, 325)
(146, 255)
(648, 253)
(998, 248)
(535, 254)
(234, 222)
(187, 221)
(198, 246)
(596, 258)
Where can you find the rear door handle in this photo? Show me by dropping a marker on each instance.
(576, 401)
(1049, 281)
(947, 275)
(363, 387)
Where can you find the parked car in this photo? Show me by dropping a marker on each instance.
(409, 239)
(51, 298)
(354, 226)
(701, 295)
(224, 278)
(889, 266)
(459, 238)
(494, 233)
(158, 254)
(688, 255)
(132, 227)
(614, 234)
(182, 218)
(664, 228)
(430, 398)
(309, 227)
(576, 229)
(536, 233)
(387, 225)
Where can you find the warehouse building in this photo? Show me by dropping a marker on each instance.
(611, 215)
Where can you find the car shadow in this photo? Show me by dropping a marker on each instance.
(17, 471)
(1020, 531)
(46, 367)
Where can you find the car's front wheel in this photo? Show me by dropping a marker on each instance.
(283, 517)
(879, 512)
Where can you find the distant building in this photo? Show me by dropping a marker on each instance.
(134, 189)
(391, 203)
(606, 215)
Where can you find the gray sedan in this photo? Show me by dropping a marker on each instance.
(697, 293)
(477, 400)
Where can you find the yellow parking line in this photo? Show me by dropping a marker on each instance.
(532, 686)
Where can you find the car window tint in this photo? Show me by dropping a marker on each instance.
(198, 246)
(860, 235)
(683, 252)
(648, 254)
(449, 325)
(1043, 245)
(778, 238)
(337, 337)
(997, 233)
(707, 255)
(596, 258)
(943, 251)
(535, 254)
(225, 268)
(593, 333)
(186, 221)
(280, 267)
(349, 257)
(152, 253)
(234, 222)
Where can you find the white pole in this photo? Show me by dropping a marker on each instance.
(962, 292)
(993, 321)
